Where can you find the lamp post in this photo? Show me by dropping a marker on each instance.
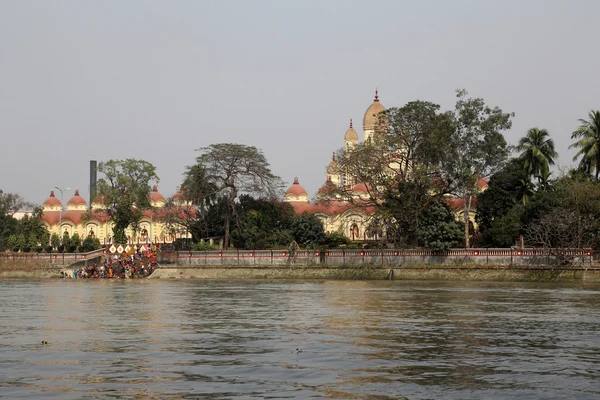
(61, 206)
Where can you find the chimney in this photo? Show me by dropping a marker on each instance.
(93, 179)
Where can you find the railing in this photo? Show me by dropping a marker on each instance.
(385, 256)
(52, 258)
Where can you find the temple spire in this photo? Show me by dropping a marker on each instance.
(351, 123)
(376, 95)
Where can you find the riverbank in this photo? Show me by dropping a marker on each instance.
(413, 272)
(421, 272)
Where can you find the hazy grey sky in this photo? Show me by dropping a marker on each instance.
(83, 80)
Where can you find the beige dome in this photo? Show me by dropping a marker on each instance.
(371, 118)
(351, 135)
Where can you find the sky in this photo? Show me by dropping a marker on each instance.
(156, 80)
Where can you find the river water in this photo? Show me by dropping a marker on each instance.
(193, 339)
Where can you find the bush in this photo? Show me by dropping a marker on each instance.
(38, 249)
(89, 244)
(205, 246)
(336, 239)
(48, 249)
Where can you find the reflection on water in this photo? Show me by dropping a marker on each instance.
(349, 340)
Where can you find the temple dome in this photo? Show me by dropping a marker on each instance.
(155, 195)
(76, 200)
(52, 201)
(351, 135)
(371, 118)
(296, 189)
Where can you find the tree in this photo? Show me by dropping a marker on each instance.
(234, 169)
(408, 145)
(124, 190)
(8, 227)
(588, 143)
(537, 153)
(438, 229)
(10, 203)
(307, 230)
(191, 212)
(477, 149)
(54, 241)
(262, 223)
(502, 194)
(75, 242)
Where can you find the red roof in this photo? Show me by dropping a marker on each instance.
(52, 200)
(51, 217)
(73, 215)
(331, 207)
(155, 195)
(77, 200)
(296, 189)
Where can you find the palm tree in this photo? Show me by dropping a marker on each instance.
(588, 144)
(537, 152)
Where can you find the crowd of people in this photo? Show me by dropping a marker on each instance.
(136, 263)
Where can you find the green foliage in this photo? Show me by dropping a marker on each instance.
(55, 240)
(588, 143)
(205, 246)
(262, 223)
(11, 203)
(12, 242)
(335, 239)
(74, 243)
(90, 244)
(438, 230)
(506, 228)
(307, 230)
(65, 243)
(504, 191)
(233, 169)
(124, 189)
(8, 227)
(21, 242)
(477, 148)
(32, 242)
(537, 153)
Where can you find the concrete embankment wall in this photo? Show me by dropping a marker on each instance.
(487, 273)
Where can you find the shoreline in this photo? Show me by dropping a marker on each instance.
(474, 272)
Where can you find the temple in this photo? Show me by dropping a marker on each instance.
(336, 214)
(342, 216)
(76, 218)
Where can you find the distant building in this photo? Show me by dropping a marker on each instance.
(70, 220)
(341, 216)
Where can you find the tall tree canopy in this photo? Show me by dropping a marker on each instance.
(477, 148)
(124, 190)
(234, 169)
(537, 153)
(588, 143)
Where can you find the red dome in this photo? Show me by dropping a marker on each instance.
(296, 189)
(179, 195)
(77, 200)
(155, 195)
(51, 217)
(75, 216)
(52, 200)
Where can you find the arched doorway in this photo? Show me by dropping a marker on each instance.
(354, 232)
